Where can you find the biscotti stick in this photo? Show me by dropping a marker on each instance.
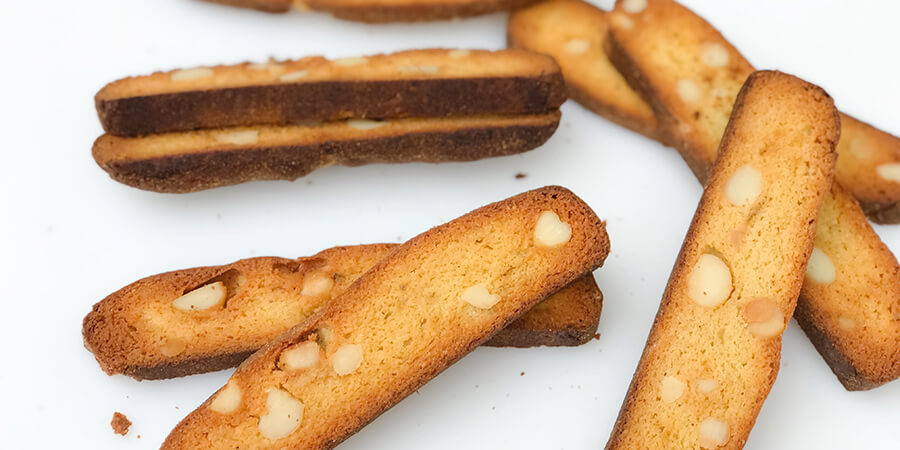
(421, 308)
(866, 285)
(414, 83)
(854, 277)
(211, 318)
(381, 11)
(715, 346)
(204, 159)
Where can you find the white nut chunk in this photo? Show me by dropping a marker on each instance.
(479, 297)
(744, 186)
(350, 61)
(317, 285)
(714, 55)
(246, 137)
(191, 74)
(688, 91)
(347, 359)
(890, 172)
(671, 389)
(764, 317)
(846, 323)
(551, 232)
(283, 417)
(363, 124)
(293, 76)
(577, 46)
(820, 268)
(713, 433)
(634, 6)
(459, 53)
(706, 385)
(300, 356)
(173, 347)
(709, 283)
(202, 298)
(227, 400)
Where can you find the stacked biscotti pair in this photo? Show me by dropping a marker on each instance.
(380, 11)
(659, 69)
(199, 128)
(348, 333)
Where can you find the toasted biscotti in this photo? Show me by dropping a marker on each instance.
(867, 284)
(418, 310)
(181, 323)
(381, 11)
(414, 83)
(196, 160)
(715, 346)
(574, 33)
(859, 277)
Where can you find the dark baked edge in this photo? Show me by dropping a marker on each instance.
(270, 6)
(215, 168)
(881, 213)
(417, 12)
(298, 103)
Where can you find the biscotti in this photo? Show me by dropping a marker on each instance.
(418, 310)
(866, 289)
(415, 83)
(715, 346)
(203, 159)
(855, 276)
(211, 318)
(381, 11)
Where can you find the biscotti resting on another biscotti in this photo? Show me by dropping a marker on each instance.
(211, 318)
(418, 310)
(715, 346)
(851, 298)
(196, 160)
(381, 11)
(415, 83)
(851, 308)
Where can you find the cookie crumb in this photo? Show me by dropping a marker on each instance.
(522, 374)
(520, 175)
(120, 424)
(597, 337)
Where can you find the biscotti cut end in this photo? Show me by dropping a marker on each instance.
(404, 321)
(574, 33)
(381, 11)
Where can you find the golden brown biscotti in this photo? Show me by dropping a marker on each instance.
(148, 330)
(382, 11)
(413, 83)
(857, 278)
(195, 160)
(715, 346)
(420, 309)
(696, 74)
(867, 285)
(573, 33)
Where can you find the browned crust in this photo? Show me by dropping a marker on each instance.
(586, 251)
(842, 368)
(881, 213)
(271, 6)
(191, 172)
(298, 103)
(414, 11)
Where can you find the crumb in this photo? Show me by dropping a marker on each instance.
(520, 175)
(597, 337)
(522, 374)
(120, 423)
(139, 436)
(177, 407)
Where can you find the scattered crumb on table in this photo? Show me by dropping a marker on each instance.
(120, 423)
(520, 175)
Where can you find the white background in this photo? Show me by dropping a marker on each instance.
(69, 235)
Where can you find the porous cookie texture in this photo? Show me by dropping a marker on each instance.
(868, 284)
(413, 83)
(190, 161)
(381, 11)
(132, 331)
(591, 80)
(725, 307)
(408, 320)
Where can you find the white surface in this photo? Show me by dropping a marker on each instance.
(69, 235)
